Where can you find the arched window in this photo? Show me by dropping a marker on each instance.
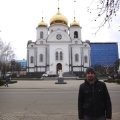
(75, 34)
(41, 34)
(41, 58)
(76, 57)
(31, 59)
(86, 60)
(61, 55)
(56, 55)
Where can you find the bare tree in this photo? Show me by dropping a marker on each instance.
(106, 9)
(6, 55)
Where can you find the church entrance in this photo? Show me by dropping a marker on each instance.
(59, 67)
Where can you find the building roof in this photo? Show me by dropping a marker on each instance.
(58, 19)
(103, 42)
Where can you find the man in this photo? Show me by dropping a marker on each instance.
(93, 99)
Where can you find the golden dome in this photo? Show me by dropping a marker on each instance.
(74, 23)
(58, 19)
(42, 24)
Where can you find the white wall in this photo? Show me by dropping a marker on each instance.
(31, 53)
(76, 50)
(52, 36)
(64, 48)
(41, 29)
(58, 27)
(41, 50)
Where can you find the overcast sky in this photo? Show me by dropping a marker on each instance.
(19, 19)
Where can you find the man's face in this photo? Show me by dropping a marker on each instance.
(90, 76)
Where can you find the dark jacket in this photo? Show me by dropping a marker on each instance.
(7, 78)
(94, 100)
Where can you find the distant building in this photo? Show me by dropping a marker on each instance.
(104, 53)
(23, 64)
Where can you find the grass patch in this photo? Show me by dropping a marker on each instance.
(25, 78)
(2, 82)
(12, 81)
(113, 81)
(118, 81)
(110, 81)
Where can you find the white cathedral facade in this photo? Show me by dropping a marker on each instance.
(57, 47)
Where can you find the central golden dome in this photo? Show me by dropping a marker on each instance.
(58, 19)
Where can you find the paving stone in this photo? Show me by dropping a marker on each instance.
(46, 117)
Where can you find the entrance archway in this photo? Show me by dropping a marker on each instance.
(58, 67)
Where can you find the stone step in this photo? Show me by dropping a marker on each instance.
(56, 78)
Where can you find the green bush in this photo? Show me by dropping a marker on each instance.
(110, 81)
(11, 82)
(118, 81)
(25, 78)
(2, 82)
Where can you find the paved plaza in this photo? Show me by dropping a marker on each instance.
(55, 111)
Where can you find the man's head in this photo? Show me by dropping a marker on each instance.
(90, 74)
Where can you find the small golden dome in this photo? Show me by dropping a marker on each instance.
(42, 24)
(58, 19)
(74, 23)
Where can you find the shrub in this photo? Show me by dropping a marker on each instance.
(11, 82)
(118, 81)
(1, 82)
(110, 81)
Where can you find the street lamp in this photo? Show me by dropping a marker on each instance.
(12, 65)
(119, 67)
(78, 70)
(40, 70)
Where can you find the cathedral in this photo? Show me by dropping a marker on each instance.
(58, 46)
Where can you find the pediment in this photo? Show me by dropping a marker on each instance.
(77, 41)
(58, 36)
(31, 45)
(86, 44)
(40, 42)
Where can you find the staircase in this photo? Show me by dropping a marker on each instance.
(69, 74)
(66, 75)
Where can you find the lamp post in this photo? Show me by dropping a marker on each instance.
(119, 67)
(5, 66)
(78, 70)
(12, 65)
(40, 71)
